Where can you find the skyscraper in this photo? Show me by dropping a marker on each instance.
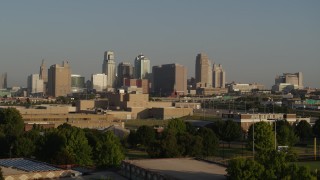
(99, 82)
(43, 74)
(218, 76)
(125, 70)
(142, 68)
(203, 71)
(77, 83)
(169, 79)
(109, 68)
(59, 80)
(35, 85)
(3, 81)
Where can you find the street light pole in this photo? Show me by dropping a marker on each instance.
(275, 134)
(253, 139)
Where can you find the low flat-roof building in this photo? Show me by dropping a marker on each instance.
(174, 168)
(246, 119)
(20, 168)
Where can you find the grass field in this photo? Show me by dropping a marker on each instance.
(134, 124)
(136, 154)
(313, 165)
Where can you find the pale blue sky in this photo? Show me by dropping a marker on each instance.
(253, 40)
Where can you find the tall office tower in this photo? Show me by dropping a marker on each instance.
(99, 82)
(35, 85)
(218, 76)
(169, 79)
(125, 70)
(77, 83)
(59, 80)
(142, 68)
(44, 75)
(203, 71)
(3, 81)
(109, 68)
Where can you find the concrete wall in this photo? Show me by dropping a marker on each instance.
(46, 110)
(133, 172)
(169, 113)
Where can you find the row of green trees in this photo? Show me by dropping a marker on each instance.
(269, 163)
(179, 139)
(63, 145)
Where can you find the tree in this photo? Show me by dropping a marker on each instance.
(1, 174)
(52, 144)
(243, 169)
(231, 131)
(285, 134)
(169, 145)
(263, 136)
(66, 145)
(218, 128)
(274, 163)
(210, 142)
(11, 122)
(145, 135)
(277, 167)
(316, 128)
(24, 147)
(108, 151)
(190, 128)
(294, 171)
(11, 127)
(177, 126)
(189, 145)
(303, 130)
(76, 144)
(132, 139)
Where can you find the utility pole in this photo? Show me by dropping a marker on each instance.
(253, 139)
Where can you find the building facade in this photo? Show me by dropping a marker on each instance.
(35, 85)
(59, 80)
(131, 84)
(203, 71)
(99, 82)
(142, 68)
(77, 83)
(244, 88)
(109, 68)
(218, 76)
(288, 81)
(125, 71)
(169, 79)
(43, 74)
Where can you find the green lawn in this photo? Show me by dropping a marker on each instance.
(134, 124)
(313, 165)
(136, 154)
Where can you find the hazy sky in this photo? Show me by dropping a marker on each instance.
(253, 40)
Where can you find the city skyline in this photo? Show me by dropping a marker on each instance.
(254, 41)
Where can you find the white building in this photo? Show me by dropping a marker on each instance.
(109, 68)
(218, 76)
(99, 82)
(288, 81)
(244, 88)
(142, 67)
(35, 84)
